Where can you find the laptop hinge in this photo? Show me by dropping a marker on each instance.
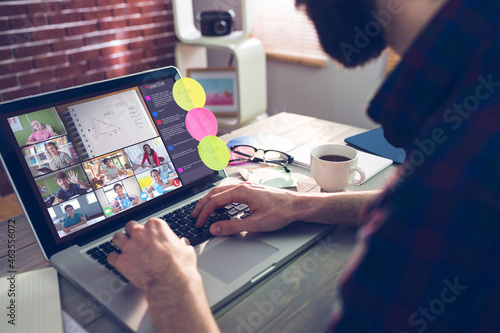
(263, 273)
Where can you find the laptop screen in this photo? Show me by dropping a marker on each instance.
(94, 158)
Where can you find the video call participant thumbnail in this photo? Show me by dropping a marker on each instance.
(68, 190)
(150, 156)
(107, 167)
(73, 220)
(58, 159)
(158, 184)
(123, 200)
(40, 132)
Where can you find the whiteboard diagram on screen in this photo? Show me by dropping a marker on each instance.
(110, 123)
(102, 127)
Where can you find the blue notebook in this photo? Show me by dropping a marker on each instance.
(374, 142)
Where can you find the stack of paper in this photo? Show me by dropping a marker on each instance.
(31, 302)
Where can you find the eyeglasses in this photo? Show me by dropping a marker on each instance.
(245, 153)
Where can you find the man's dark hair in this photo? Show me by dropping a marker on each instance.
(339, 24)
(68, 206)
(60, 175)
(116, 185)
(105, 160)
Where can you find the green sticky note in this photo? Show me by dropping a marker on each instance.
(213, 152)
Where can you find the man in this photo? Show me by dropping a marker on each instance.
(428, 255)
(73, 220)
(123, 200)
(68, 190)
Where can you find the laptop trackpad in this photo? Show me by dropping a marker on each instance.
(234, 257)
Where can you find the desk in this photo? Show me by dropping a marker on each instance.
(299, 297)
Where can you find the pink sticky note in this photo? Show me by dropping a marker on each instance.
(201, 122)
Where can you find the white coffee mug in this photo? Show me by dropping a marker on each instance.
(333, 167)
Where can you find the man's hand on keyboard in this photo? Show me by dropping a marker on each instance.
(163, 266)
(270, 208)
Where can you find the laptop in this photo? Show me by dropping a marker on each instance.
(82, 162)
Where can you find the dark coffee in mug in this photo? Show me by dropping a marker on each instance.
(333, 167)
(334, 158)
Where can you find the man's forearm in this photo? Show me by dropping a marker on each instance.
(336, 208)
(181, 310)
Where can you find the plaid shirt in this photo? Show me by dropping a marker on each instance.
(118, 202)
(429, 258)
(61, 160)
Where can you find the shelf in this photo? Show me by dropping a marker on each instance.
(45, 152)
(186, 31)
(195, 37)
(34, 154)
(249, 59)
(251, 69)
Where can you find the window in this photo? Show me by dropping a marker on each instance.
(52, 213)
(91, 198)
(74, 203)
(287, 33)
(134, 154)
(110, 193)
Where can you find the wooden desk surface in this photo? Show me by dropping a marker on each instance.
(299, 297)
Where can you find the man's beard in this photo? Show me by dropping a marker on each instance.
(350, 31)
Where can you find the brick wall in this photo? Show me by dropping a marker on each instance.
(49, 45)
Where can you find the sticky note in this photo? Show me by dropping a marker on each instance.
(213, 152)
(201, 122)
(189, 94)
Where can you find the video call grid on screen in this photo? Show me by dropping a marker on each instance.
(87, 157)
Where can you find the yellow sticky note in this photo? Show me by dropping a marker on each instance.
(189, 94)
(213, 152)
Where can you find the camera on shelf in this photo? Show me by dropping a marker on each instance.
(216, 22)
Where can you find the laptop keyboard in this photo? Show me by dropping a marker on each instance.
(182, 224)
(100, 253)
